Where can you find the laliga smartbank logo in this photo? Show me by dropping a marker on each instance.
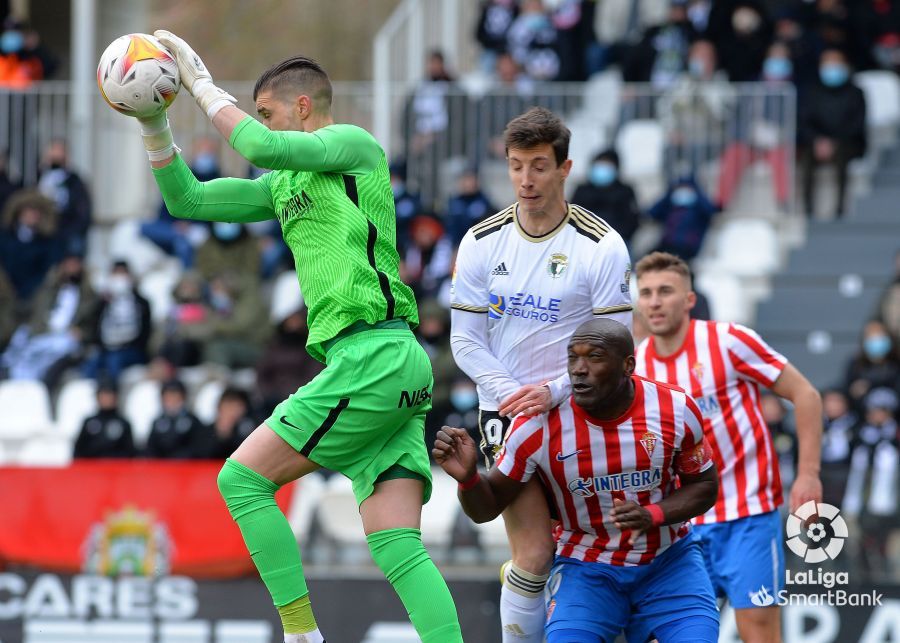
(816, 533)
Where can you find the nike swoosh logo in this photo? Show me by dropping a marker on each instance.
(560, 457)
(283, 419)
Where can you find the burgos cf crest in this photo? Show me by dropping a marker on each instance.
(128, 542)
(557, 265)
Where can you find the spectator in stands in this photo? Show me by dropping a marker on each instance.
(230, 245)
(18, 68)
(573, 21)
(29, 245)
(838, 427)
(232, 424)
(875, 365)
(694, 111)
(61, 322)
(33, 48)
(493, 26)
(235, 331)
(889, 306)
(512, 93)
(177, 433)
(178, 237)
(285, 365)
(760, 131)
(467, 207)
(686, 213)
(606, 195)
(122, 327)
(427, 261)
(180, 337)
(832, 125)
(741, 32)
(660, 57)
(803, 43)
(106, 434)
(8, 307)
(532, 41)
(435, 125)
(68, 191)
(878, 27)
(874, 481)
(830, 24)
(407, 204)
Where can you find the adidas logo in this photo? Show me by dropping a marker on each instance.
(515, 630)
(500, 269)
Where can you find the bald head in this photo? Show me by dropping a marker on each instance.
(607, 334)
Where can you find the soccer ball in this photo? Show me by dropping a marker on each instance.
(137, 75)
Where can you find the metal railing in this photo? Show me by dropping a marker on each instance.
(712, 130)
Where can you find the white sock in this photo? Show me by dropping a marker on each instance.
(307, 637)
(522, 609)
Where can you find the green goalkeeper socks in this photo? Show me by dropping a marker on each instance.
(250, 498)
(399, 553)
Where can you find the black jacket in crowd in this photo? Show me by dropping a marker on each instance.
(834, 112)
(105, 435)
(615, 203)
(178, 437)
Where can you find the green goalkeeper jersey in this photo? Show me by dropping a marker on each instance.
(330, 190)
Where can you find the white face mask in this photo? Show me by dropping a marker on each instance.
(118, 285)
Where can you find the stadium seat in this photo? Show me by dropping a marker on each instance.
(45, 451)
(25, 408)
(588, 138)
(727, 299)
(157, 287)
(640, 145)
(747, 247)
(142, 406)
(338, 516)
(142, 255)
(308, 491)
(882, 91)
(77, 401)
(207, 401)
(286, 297)
(439, 515)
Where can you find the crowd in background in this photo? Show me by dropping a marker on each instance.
(56, 323)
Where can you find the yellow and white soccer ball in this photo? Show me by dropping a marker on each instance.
(138, 76)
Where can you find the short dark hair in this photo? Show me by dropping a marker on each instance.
(538, 126)
(608, 155)
(299, 73)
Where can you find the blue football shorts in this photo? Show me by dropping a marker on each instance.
(745, 558)
(670, 599)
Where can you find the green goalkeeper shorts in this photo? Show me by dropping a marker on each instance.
(364, 415)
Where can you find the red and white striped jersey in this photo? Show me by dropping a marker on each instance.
(722, 365)
(587, 463)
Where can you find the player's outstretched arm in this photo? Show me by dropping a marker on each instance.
(482, 498)
(793, 386)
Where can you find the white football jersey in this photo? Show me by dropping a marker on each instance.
(536, 291)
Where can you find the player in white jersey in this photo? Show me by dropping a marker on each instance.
(525, 278)
(722, 366)
(626, 463)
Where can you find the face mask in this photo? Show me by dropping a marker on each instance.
(603, 174)
(696, 68)
(464, 398)
(834, 74)
(56, 165)
(778, 68)
(74, 278)
(877, 346)
(118, 285)
(205, 164)
(537, 21)
(226, 231)
(11, 42)
(684, 196)
(397, 189)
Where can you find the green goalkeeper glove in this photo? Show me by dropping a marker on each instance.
(194, 75)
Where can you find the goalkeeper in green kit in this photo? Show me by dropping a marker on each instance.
(364, 414)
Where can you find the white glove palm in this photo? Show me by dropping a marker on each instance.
(194, 75)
